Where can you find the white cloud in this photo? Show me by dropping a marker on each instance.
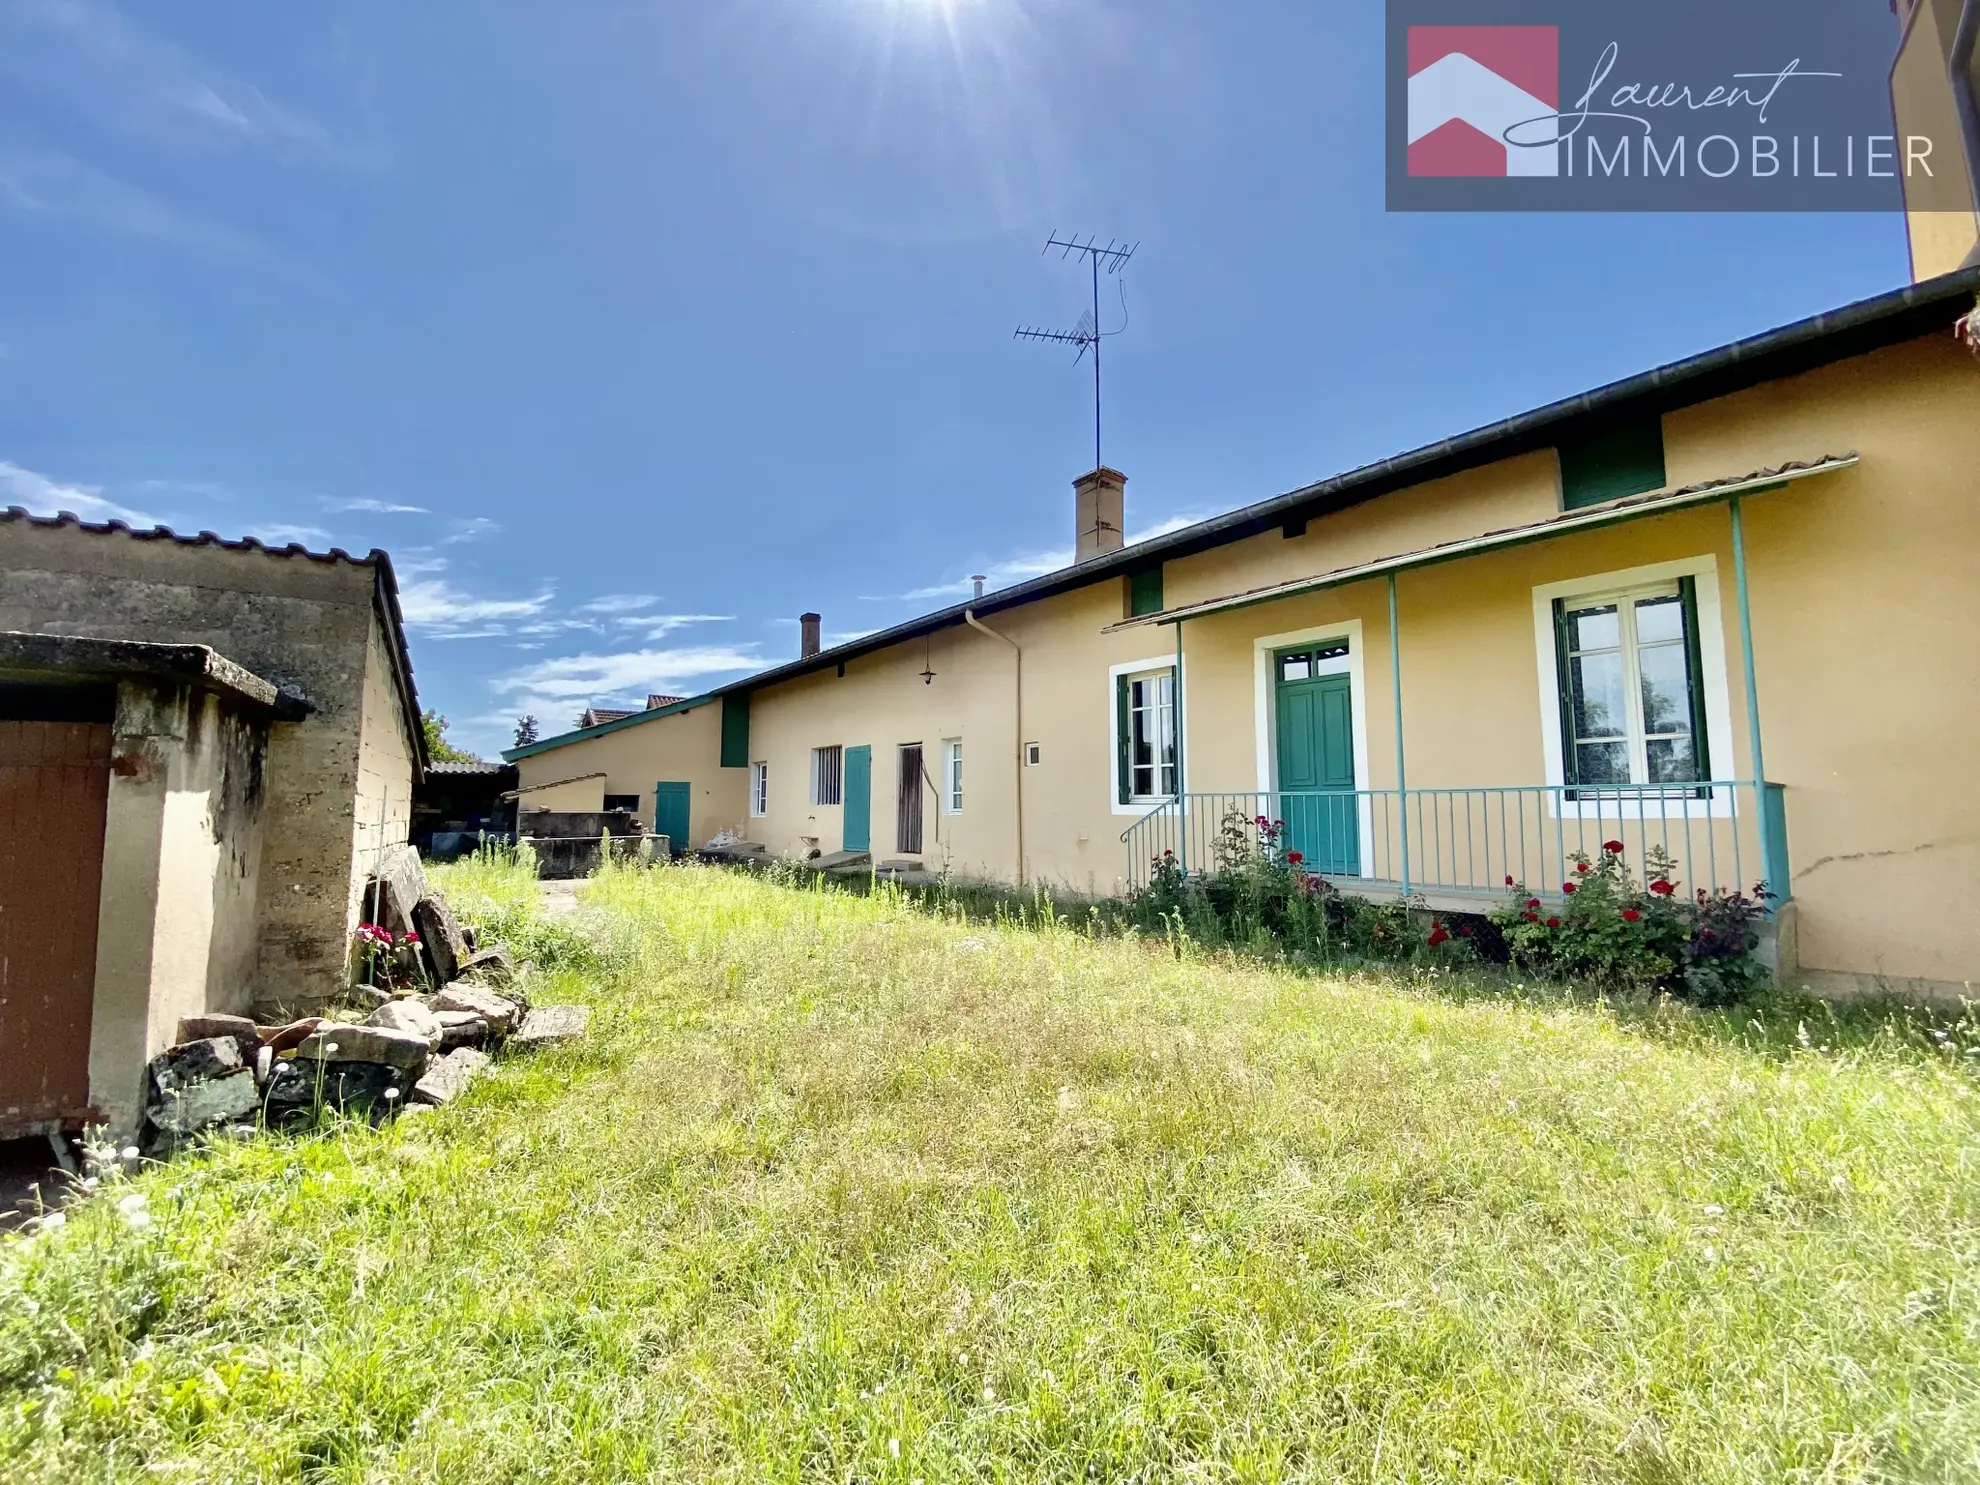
(49, 183)
(90, 56)
(376, 507)
(551, 687)
(472, 530)
(280, 535)
(659, 626)
(1013, 570)
(435, 603)
(618, 603)
(46, 497)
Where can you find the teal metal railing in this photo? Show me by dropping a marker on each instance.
(1725, 834)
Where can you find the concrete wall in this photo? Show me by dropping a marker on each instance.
(683, 747)
(181, 879)
(575, 796)
(382, 807)
(304, 624)
(1864, 610)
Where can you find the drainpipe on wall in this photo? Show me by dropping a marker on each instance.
(1017, 725)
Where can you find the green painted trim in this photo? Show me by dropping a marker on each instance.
(1770, 853)
(1123, 775)
(1701, 742)
(565, 739)
(1623, 459)
(1402, 768)
(735, 730)
(1145, 592)
(1564, 675)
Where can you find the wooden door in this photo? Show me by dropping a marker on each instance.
(858, 799)
(54, 788)
(907, 812)
(1316, 753)
(670, 814)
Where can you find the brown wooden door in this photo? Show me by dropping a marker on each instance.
(907, 815)
(54, 784)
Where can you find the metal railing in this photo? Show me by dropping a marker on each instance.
(1725, 834)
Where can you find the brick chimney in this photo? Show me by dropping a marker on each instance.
(1100, 513)
(808, 635)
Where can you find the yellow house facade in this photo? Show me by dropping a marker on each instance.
(1726, 610)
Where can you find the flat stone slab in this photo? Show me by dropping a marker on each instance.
(294, 1087)
(550, 1025)
(446, 945)
(196, 1062)
(446, 1078)
(491, 964)
(403, 1051)
(197, 1105)
(399, 884)
(203, 1028)
(500, 1014)
(410, 1016)
(460, 1029)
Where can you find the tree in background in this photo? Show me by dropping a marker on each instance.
(437, 747)
(526, 731)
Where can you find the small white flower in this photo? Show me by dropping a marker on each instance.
(391, 1095)
(53, 1220)
(329, 1046)
(1711, 1254)
(90, 1183)
(894, 1448)
(138, 1218)
(989, 1393)
(135, 1202)
(1714, 1210)
(129, 1154)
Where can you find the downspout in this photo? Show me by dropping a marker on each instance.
(1017, 725)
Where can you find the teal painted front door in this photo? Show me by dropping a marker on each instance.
(859, 799)
(670, 814)
(1316, 751)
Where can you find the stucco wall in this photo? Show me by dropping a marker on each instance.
(684, 747)
(303, 624)
(181, 879)
(1865, 620)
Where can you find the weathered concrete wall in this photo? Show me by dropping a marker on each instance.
(305, 624)
(384, 776)
(181, 879)
(566, 796)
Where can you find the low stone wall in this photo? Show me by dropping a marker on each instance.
(568, 845)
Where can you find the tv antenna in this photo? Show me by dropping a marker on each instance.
(1087, 334)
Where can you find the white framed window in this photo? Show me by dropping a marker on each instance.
(952, 776)
(759, 790)
(1633, 688)
(828, 768)
(1146, 766)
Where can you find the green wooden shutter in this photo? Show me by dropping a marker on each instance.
(1145, 592)
(735, 730)
(1701, 750)
(1622, 459)
(1563, 645)
(1123, 774)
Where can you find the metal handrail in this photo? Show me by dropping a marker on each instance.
(1469, 840)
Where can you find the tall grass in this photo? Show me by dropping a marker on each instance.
(842, 1189)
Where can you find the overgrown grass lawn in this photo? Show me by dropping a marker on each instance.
(842, 1190)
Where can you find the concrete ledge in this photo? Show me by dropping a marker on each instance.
(196, 665)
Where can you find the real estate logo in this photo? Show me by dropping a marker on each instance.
(1472, 88)
(1687, 105)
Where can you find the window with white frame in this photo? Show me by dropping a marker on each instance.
(1145, 741)
(828, 766)
(1632, 702)
(759, 790)
(952, 788)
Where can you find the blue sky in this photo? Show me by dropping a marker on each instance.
(632, 330)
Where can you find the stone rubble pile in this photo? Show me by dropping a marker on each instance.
(226, 1074)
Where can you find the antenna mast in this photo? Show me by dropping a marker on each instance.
(1087, 334)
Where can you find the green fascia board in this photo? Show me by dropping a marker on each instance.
(585, 734)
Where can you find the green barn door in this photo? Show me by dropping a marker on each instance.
(859, 799)
(670, 814)
(1316, 751)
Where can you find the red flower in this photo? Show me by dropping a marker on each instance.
(1263, 822)
(1580, 866)
(1662, 888)
(1631, 915)
(1167, 854)
(1278, 824)
(1533, 917)
(1567, 887)
(1533, 902)
(1295, 857)
(1613, 847)
(1438, 936)
(1553, 922)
